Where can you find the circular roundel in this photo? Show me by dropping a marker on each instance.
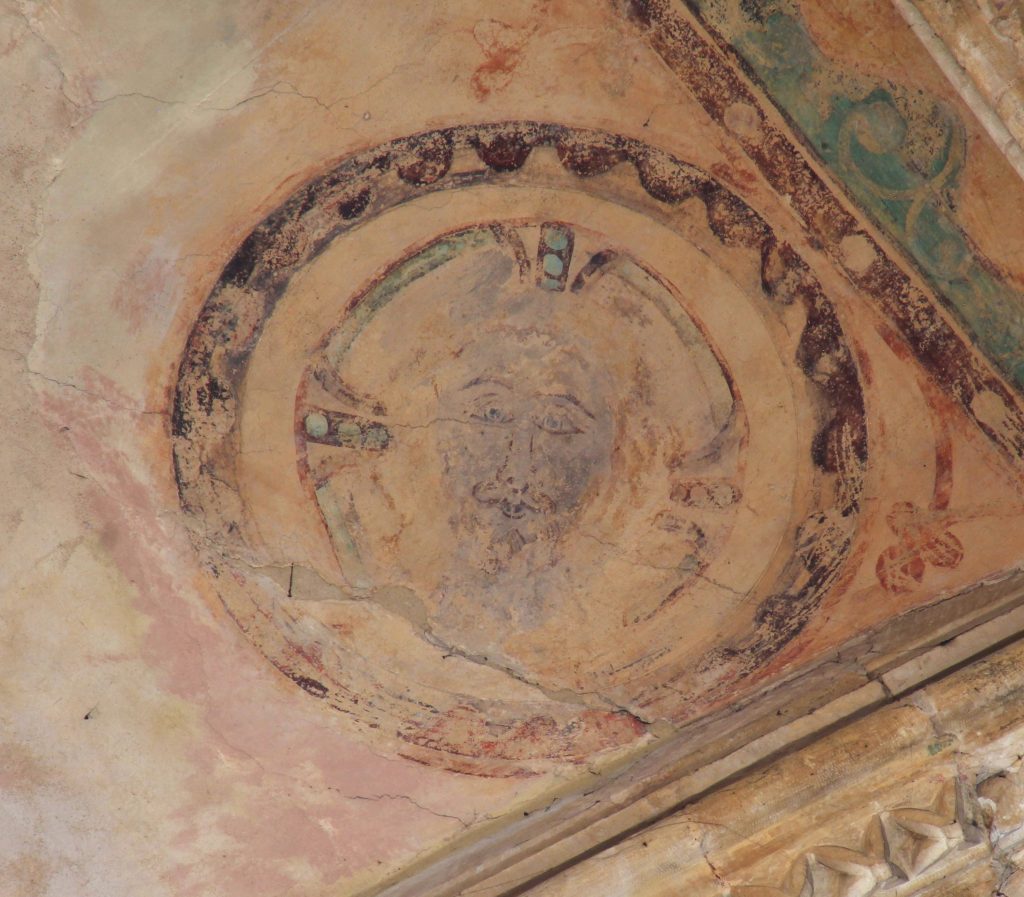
(508, 441)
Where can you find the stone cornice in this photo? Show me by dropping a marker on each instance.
(920, 797)
(978, 46)
(869, 746)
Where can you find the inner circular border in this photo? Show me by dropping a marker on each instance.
(266, 439)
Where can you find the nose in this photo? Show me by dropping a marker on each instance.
(517, 469)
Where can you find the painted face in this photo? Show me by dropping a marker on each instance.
(532, 439)
(525, 437)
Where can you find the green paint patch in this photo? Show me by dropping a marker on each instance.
(937, 747)
(349, 432)
(899, 152)
(376, 437)
(553, 265)
(316, 425)
(556, 239)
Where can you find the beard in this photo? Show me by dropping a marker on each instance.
(495, 542)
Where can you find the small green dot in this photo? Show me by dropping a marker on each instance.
(689, 563)
(556, 239)
(348, 431)
(553, 265)
(377, 437)
(316, 425)
(549, 283)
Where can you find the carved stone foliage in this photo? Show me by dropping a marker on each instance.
(897, 848)
(921, 798)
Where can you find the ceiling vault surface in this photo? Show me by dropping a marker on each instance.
(482, 449)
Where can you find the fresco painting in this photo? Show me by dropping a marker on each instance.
(521, 432)
(899, 152)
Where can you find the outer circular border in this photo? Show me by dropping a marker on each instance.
(204, 419)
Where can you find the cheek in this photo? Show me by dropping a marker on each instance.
(468, 454)
(569, 463)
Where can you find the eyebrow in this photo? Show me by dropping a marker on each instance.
(479, 381)
(568, 397)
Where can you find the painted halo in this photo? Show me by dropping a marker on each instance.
(524, 493)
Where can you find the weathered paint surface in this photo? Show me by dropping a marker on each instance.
(900, 153)
(703, 68)
(152, 742)
(524, 570)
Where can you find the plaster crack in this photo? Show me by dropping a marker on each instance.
(135, 94)
(405, 797)
(714, 871)
(95, 395)
(623, 553)
(723, 586)
(306, 96)
(273, 89)
(589, 699)
(706, 854)
(663, 568)
(920, 700)
(52, 53)
(420, 57)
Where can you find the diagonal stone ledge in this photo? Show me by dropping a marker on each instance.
(921, 796)
(839, 709)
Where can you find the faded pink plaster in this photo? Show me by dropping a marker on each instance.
(272, 774)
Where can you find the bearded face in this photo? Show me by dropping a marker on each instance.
(499, 449)
(523, 439)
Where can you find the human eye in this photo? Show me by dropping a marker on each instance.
(558, 421)
(490, 410)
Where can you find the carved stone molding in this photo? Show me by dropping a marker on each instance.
(925, 797)
(979, 45)
(899, 848)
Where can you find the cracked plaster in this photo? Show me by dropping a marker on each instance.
(148, 747)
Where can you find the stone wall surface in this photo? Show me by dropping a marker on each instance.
(437, 434)
(979, 46)
(919, 798)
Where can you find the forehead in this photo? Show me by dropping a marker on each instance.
(516, 359)
(474, 318)
(523, 366)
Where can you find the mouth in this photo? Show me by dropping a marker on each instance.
(514, 510)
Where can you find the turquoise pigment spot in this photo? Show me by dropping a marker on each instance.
(349, 432)
(557, 240)
(553, 265)
(316, 425)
